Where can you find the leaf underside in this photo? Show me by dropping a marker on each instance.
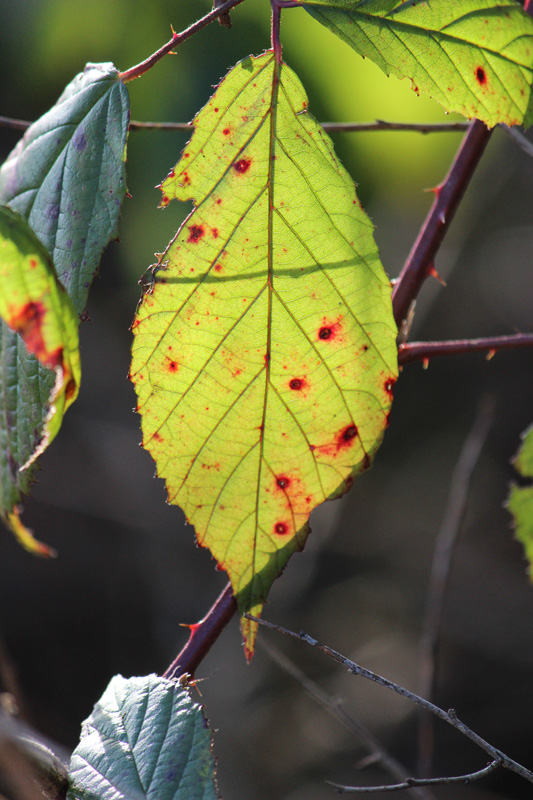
(265, 356)
(67, 178)
(145, 740)
(520, 501)
(474, 57)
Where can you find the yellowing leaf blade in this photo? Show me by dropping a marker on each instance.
(520, 502)
(35, 305)
(474, 57)
(264, 359)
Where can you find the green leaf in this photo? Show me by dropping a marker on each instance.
(265, 356)
(67, 175)
(145, 739)
(472, 56)
(34, 305)
(67, 178)
(520, 501)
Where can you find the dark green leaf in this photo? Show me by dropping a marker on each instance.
(145, 739)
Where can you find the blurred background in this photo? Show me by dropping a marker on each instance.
(128, 571)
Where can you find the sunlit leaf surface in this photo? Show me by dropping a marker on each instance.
(520, 502)
(472, 56)
(265, 357)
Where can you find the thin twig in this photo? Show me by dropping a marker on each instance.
(410, 782)
(177, 39)
(521, 140)
(447, 197)
(449, 716)
(203, 635)
(383, 125)
(334, 706)
(330, 127)
(423, 351)
(440, 572)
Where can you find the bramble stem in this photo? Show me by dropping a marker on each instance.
(449, 716)
(177, 39)
(203, 635)
(423, 351)
(447, 197)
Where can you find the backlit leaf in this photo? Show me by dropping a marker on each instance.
(472, 56)
(520, 501)
(145, 740)
(34, 305)
(66, 177)
(265, 356)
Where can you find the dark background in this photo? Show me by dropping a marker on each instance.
(128, 571)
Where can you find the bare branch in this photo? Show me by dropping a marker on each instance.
(410, 782)
(383, 125)
(449, 716)
(177, 39)
(518, 137)
(423, 351)
(440, 570)
(334, 706)
(330, 127)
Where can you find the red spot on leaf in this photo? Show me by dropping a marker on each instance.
(218, 267)
(185, 178)
(226, 131)
(283, 481)
(329, 329)
(389, 386)
(33, 263)
(195, 233)
(172, 173)
(172, 366)
(164, 200)
(242, 165)
(346, 437)
(481, 76)
(215, 233)
(158, 437)
(219, 201)
(281, 528)
(297, 384)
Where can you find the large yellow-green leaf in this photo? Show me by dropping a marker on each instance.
(472, 56)
(520, 501)
(34, 305)
(265, 356)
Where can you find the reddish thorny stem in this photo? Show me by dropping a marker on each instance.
(417, 268)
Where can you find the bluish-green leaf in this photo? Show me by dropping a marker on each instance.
(145, 740)
(67, 178)
(472, 56)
